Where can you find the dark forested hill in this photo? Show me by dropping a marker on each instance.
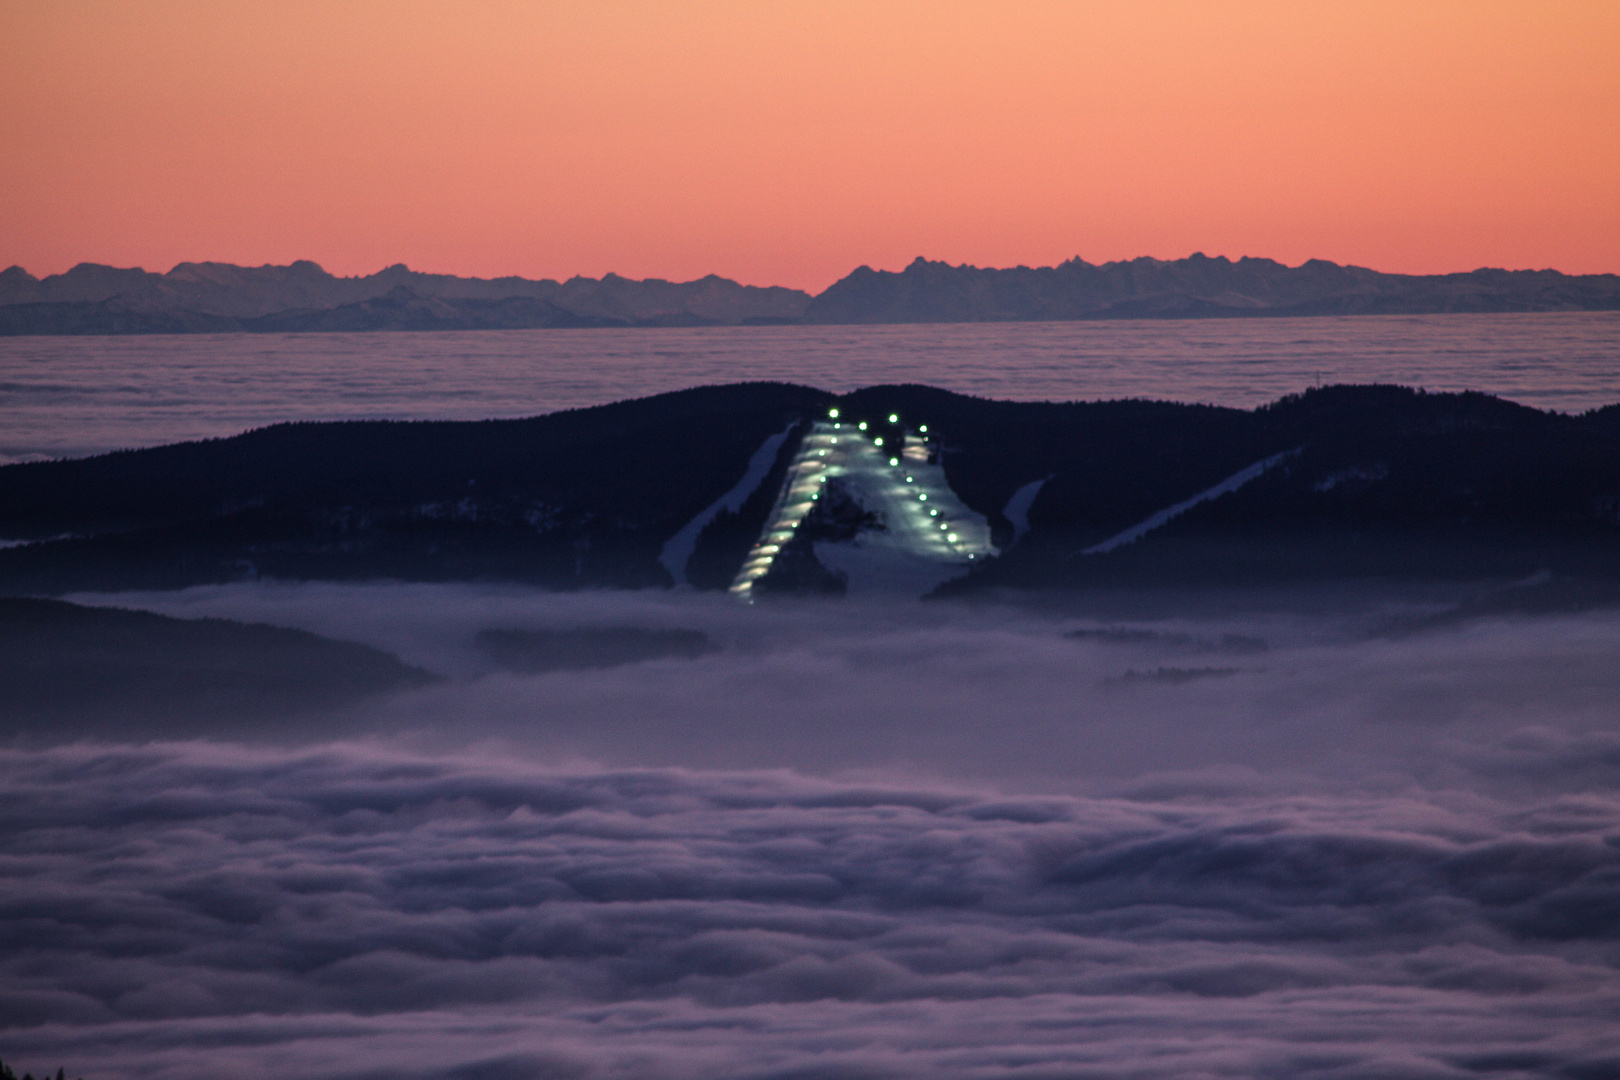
(1341, 482)
(584, 497)
(70, 670)
(1363, 481)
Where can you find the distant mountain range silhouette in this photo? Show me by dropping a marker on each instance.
(1194, 287)
(220, 297)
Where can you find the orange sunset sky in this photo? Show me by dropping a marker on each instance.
(786, 143)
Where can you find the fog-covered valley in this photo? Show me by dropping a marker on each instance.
(1055, 692)
(1176, 833)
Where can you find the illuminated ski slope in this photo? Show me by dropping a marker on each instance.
(928, 535)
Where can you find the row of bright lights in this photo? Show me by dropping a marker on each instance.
(894, 463)
(765, 552)
(894, 418)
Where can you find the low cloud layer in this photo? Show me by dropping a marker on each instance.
(970, 694)
(194, 910)
(853, 842)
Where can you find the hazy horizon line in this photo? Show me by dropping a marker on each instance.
(578, 276)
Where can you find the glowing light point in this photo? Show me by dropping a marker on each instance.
(878, 441)
(863, 425)
(894, 461)
(951, 538)
(894, 418)
(924, 498)
(832, 414)
(924, 429)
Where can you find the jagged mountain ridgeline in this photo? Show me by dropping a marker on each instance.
(1194, 287)
(769, 488)
(221, 298)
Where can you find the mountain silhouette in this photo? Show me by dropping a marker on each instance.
(1194, 287)
(1344, 482)
(220, 297)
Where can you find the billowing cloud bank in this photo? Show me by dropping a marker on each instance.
(189, 911)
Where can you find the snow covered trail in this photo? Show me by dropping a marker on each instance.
(1225, 487)
(678, 551)
(1017, 509)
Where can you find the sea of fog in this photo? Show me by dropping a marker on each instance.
(70, 396)
(1307, 833)
(1227, 836)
